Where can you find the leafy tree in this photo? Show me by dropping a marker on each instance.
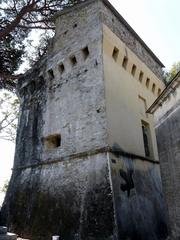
(174, 70)
(5, 186)
(17, 19)
(10, 59)
(9, 105)
(169, 75)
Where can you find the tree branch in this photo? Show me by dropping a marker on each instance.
(10, 27)
(36, 27)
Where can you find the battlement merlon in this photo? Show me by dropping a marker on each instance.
(110, 17)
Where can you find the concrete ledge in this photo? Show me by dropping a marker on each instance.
(86, 154)
(8, 236)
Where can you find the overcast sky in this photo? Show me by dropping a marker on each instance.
(156, 22)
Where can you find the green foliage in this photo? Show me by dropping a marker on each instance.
(5, 186)
(9, 108)
(168, 76)
(10, 56)
(17, 19)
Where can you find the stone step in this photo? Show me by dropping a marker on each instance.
(8, 236)
(3, 230)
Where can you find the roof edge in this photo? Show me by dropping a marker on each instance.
(68, 9)
(171, 86)
(118, 15)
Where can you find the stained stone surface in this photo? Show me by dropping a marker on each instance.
(168, 139)
(138, 199)
(72, 199)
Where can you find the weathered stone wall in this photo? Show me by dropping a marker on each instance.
(72, 199)
(75, 99)
(168, 139)
(32, 95)
(139, 203)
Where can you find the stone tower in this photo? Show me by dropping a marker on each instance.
(86, 164)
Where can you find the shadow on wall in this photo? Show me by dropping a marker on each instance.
(139, 204)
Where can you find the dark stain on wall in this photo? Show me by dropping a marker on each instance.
(139, 203)
(129, 183)
(168, 139)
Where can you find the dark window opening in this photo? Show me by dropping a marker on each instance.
(125, 62)
(115, 53)
(146, 139)
(133, 70)
(73, 60)
(51, 74)
(85, 52)
(159, 91)
(141, 74)
(113, 161)
(52, 141)
(61, 68)
(75, 25)
(147, 82)
(153, 87)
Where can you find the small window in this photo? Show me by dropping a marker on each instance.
(115, 53)
(133, 70)
(51, 74)
(113, 161)
(85, 52)
(52, 141)
(141, 74)
(159, 91)
(73, 60)
(153, 87)
(125, 62)
(147, 82)
(61, 68)
(147, 139)
(75, 25)
(142, 107)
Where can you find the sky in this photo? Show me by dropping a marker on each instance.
(156, 22)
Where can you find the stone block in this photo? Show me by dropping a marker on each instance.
(8, 236)
(3, 230)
